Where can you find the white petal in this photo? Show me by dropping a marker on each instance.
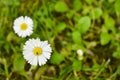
(19, 20)
(34, 60)
(46, 55)
(27, 52)
(44, 43)
(27, 56)
(44, 58)
(47, 48)
(41, 60)
(28, 20)
(16, 29)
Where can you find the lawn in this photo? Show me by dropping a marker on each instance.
(80, 40)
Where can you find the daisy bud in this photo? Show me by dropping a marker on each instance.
(80, 52)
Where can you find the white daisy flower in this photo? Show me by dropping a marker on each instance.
(23, 26)
(36, 51)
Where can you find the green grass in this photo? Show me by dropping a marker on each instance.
(90, 25)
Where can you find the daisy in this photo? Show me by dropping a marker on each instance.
(36, 51)
(23, 26)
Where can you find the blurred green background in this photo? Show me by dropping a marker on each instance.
(92, 26)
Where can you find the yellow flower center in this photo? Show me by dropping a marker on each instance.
(37, 51)
(23, 26)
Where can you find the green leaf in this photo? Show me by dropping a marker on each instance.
(49, 23)
(118, 70)
(61, 26)
(110, 24)
(116, 54)
(75, 47)
(13, 2)
(89, 1)
(61, 7)
(23, 73)
(11, 36)
(56, 58)
(76, 36)
(77, 65)
(77, 5)
(69, 15)
(84, 24)
(86, 10)
(117, 6)
(65, 71)
(105, 38)
(104, 29)
(18, 63)
(96, 67)
(97, 12)
(76, 18)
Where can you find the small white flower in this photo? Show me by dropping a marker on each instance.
(23, 26)
(80, 52)
(36, 51)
